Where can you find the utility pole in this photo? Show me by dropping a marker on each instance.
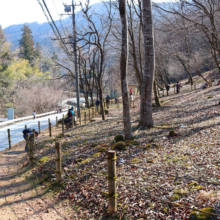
(75, 55)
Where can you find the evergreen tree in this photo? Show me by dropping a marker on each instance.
(27, 49)
(5, 58)
(38, 50)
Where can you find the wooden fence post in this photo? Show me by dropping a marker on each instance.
(9, 139)
(39, 127)
(31, 148)
(58, 163)
(28, 143)
(62, 126)
(50, 129)
(56, 121)
(85, 116)
(111, 157)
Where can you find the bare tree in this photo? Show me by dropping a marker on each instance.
(96, 34)
(149, 65)
(123, 67)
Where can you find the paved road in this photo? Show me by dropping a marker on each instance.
(16, 129)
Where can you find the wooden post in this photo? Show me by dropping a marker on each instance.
(56, 121)
(62, 126)
(9, 139)
(89, 115)
(31, 148)
(39, 127)
(34, 137)
(85, 117)
(58, 163)
(50, 129)
(28, 143)
(25, 126)
(72, 121)
(111, 157)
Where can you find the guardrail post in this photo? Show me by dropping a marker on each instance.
(50, 129)
(56, 121)
(62, 126)
(111, 157)
(85, 116)
(39, 127)
(58, 163)
(9, 139)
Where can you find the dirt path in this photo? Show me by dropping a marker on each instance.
(19, 197)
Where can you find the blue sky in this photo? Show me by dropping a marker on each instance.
(23, 11)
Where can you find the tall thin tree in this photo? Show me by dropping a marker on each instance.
(146, 119)
(123, 67)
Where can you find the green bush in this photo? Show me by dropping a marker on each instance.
(119, 137)
(120, 146)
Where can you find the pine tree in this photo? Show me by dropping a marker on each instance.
(38, 51)
(27, 49)
(5, 58)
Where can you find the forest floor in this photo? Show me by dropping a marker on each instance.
(148, 171)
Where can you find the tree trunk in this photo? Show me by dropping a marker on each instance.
(123, 67)
(156, 95)
(149, 65)
(101, 98)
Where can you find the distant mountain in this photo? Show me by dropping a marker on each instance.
(42, 33)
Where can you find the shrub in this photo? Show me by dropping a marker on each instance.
(120, 146)
(119, 137)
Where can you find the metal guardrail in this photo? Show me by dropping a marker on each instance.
(2, 124)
